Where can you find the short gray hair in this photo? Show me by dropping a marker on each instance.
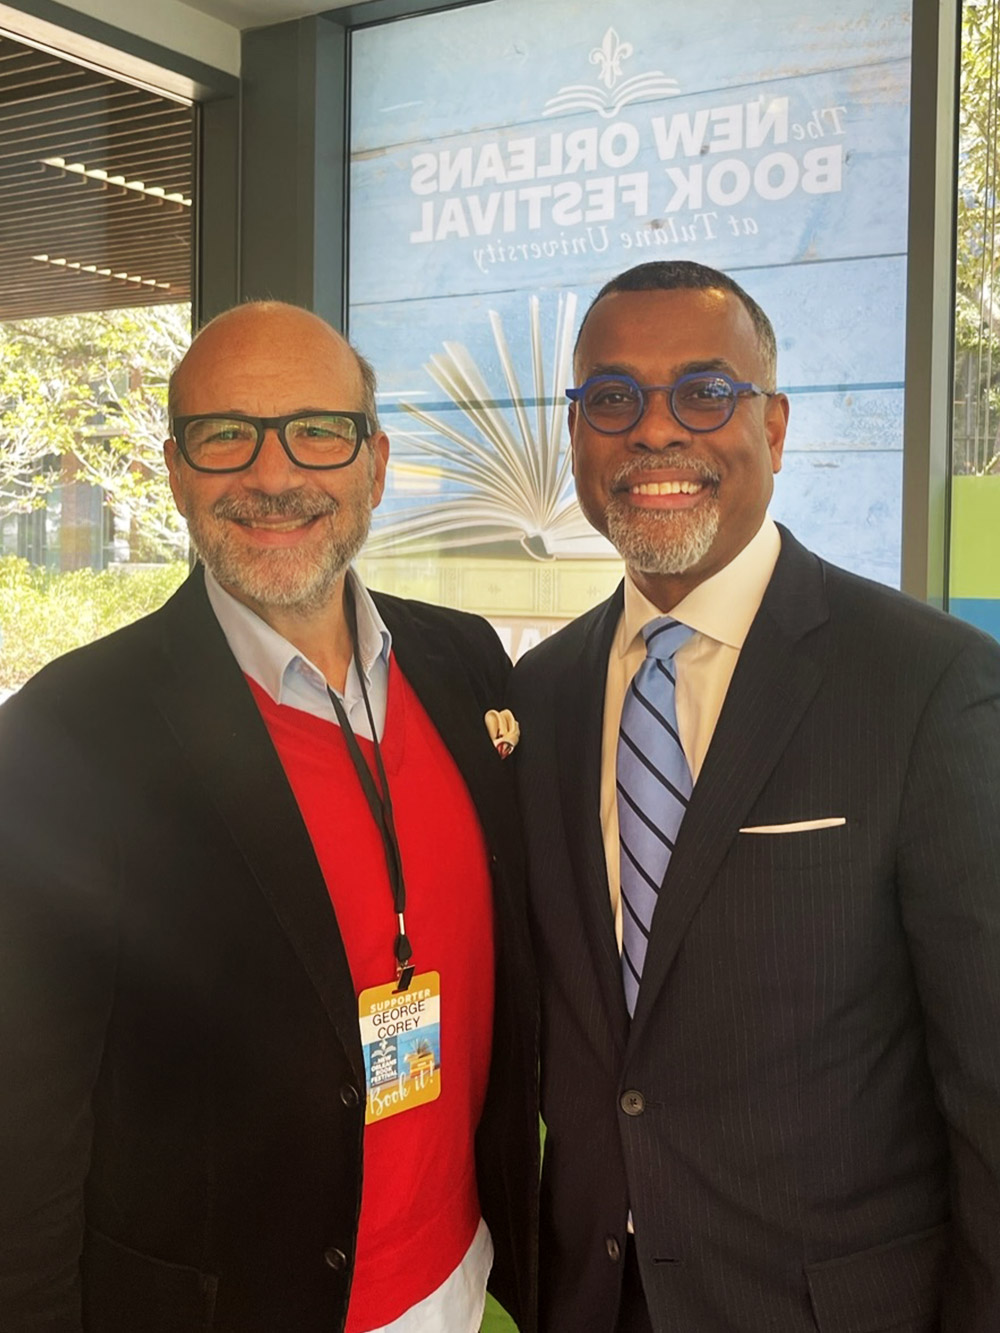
(667, 275)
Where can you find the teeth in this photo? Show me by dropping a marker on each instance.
(288, 526)
(667, 488)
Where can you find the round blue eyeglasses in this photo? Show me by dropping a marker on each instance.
(701, 401)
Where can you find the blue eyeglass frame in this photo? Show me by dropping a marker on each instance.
(739, 389)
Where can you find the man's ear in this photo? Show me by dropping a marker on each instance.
(379, 445)
(172, 458)
(775, 426)
(571, 419)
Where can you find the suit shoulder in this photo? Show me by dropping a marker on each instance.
(566, 644)
(869, 617)
(426, 613)
(429, 618)
(113, 658)
(894, 622)
(66, 711)
(109, 668)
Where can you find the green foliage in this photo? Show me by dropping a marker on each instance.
(44, 614)
(495, 1319)
(977, 313)
(83, 397)
(977, 164)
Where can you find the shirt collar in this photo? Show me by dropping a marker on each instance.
(723, 606)
(269, 659)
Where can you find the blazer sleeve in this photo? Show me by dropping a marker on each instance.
(56, 976)
(949, 880)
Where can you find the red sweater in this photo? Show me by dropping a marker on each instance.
(419, 1203)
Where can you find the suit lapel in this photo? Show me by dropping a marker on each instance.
(579, 699)
(208, 706)
(775, 679)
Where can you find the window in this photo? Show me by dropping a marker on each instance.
(975, 514)
(507, 158)
(95, 242)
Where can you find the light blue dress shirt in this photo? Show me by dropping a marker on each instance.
(290, 678)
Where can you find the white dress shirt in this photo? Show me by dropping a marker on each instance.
(720, 611)
(278, 667)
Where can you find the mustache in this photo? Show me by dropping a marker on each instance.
(675, 460)
(289, 504)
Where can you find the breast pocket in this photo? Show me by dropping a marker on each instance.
(822, 842)
(125, 1291)
(813, 912)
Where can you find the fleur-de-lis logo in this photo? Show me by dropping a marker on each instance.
(612, 90)
(609, 55)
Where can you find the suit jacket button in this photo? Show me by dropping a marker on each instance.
(335, 1259)
(613, 1249)
(633, 1102)
(349, 1094)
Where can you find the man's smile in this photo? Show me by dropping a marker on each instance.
(667, 486)
(666, 495)
(277, 524)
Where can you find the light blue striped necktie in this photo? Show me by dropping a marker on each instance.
(654, 785)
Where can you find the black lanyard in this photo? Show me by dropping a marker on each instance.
(378, 798)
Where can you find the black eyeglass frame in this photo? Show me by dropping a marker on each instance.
(262, 425)
(740, 389)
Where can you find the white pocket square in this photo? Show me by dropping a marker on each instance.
(801, 826)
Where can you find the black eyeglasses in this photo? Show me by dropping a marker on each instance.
(701, 401)
(230, 443)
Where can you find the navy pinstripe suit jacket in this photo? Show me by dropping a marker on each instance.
(816, 1143)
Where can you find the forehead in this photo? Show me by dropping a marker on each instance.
(267, 365)
(657, 334)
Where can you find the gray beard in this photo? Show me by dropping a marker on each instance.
(662, 541)
(286, 578)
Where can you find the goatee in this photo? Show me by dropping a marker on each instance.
(662, 541)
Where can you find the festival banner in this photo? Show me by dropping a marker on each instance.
(507, 158)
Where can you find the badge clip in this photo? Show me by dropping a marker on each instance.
(404, 975)
(404, 956)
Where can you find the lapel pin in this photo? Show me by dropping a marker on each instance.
(503, 729)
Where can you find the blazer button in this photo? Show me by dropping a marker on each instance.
(335, 1259)
(633, 1102)
(613, 1249)
(349, 1094)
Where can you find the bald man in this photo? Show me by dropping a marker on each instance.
(267, 1023)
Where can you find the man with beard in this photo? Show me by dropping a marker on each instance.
(762, 805)
(256, 866)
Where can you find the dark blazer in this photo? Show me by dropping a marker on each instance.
(181, 1076)
(804, 1114)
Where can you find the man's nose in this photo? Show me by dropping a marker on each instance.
(272, 470)
(658, 428)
